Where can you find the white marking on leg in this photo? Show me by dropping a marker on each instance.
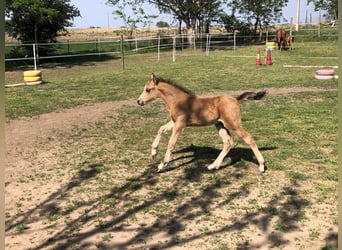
(163, 129)
(177, 129)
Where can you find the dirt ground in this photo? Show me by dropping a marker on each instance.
(31, 150)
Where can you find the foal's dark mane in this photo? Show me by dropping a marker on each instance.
(185, 90)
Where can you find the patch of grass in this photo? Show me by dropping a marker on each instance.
(107, 237)
(21, 227)
(103, 82)
(314, 234)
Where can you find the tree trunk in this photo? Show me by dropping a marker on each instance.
(179, 26)
(191, 37)
(207, 26)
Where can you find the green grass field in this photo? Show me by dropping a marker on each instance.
(114, 190)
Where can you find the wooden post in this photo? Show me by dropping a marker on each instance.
(122, 52)
(68, 45)
(234, 40)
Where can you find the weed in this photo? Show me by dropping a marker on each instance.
(21, 227)
(314, 234)
(107, 237)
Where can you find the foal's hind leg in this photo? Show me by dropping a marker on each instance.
(227, 145)
(250, 141)
(163, 129)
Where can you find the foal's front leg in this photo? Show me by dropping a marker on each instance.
(177, 129)
(163, 129)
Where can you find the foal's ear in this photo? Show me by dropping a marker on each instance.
(154, 78)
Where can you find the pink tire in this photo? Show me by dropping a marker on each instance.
(325, 72)
(324, 77)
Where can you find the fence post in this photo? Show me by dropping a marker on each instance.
(207, 45)
(158, 48)
(122, 52)
(68, 46)
(234, 39)
(297, 14)
(34, 57)
(174, 49)
(98, 46)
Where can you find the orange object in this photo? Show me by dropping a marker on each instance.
(258, 60)
(268, 57)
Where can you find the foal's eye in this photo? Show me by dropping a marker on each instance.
(148, 90)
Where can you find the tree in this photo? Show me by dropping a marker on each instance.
(231, 23)
(194, 13)
(258, 13)
(162, 24)
(331, 6)
(131, 12)
(38, 20)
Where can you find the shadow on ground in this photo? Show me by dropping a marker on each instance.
(286, 211)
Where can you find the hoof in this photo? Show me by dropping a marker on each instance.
(262, 169)
(153, 153)
(213, 167)
(160, 167)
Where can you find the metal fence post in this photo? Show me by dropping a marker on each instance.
(122, 52)
(207, 45)
(34, 56)
(174, 49)
(158, 48)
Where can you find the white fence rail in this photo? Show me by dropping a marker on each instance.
(116, 47)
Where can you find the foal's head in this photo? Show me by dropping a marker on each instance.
(150, 92)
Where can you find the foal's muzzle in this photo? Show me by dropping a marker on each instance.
(140, 102)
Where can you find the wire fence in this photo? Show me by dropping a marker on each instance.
(35, 53)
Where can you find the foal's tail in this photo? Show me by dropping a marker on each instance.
(251, 96)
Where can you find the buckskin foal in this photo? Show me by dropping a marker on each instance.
(187, 109)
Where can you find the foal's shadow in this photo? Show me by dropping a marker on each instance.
(203, 156)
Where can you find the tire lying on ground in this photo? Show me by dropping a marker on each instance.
(323, 77)
(32, 78)
(31, 73)
(324, 74)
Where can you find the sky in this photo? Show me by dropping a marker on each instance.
(96, 13)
